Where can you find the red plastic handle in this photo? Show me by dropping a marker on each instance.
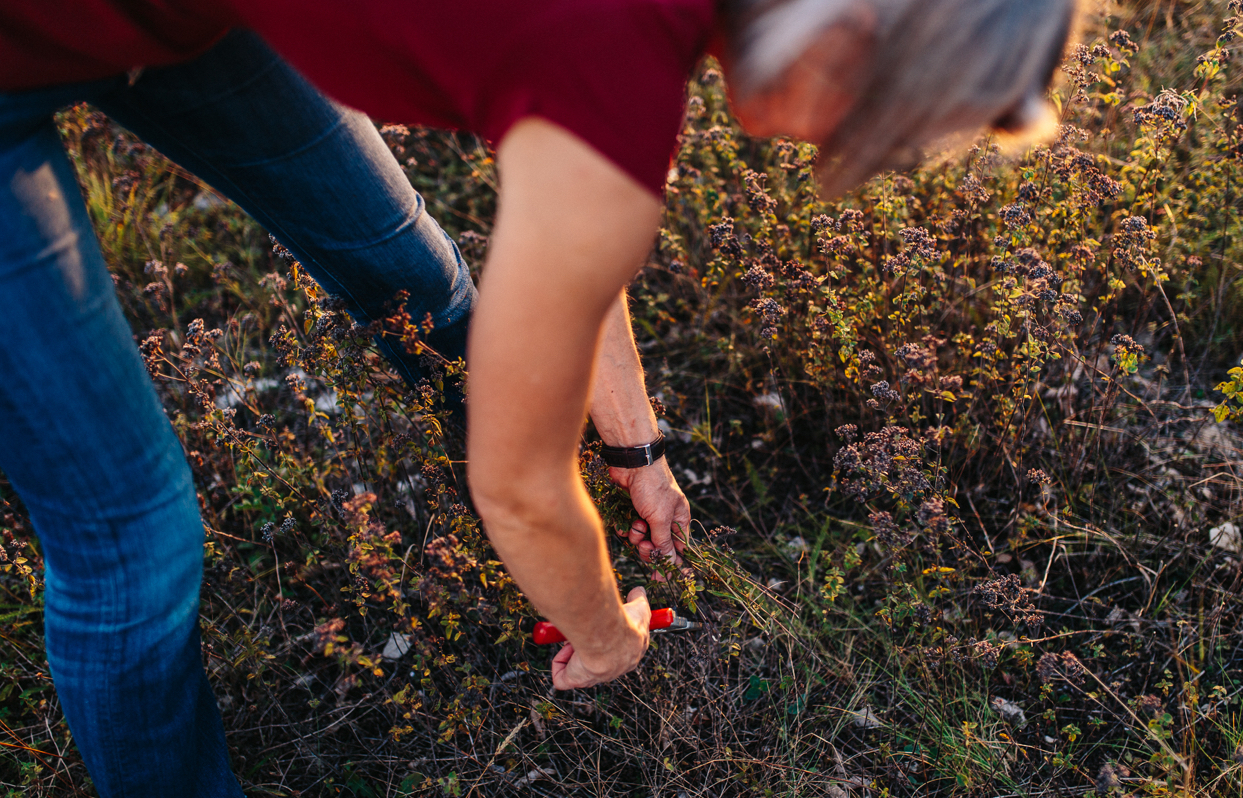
(547, 634)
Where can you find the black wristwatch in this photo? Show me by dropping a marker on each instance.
(634, 456)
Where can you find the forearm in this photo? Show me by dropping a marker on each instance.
(619, 405)
(623, 417)
(554, 548)
(526, 414)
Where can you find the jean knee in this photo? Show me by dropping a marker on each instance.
(463, 295)
(135, 578)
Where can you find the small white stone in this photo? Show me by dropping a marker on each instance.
(1009, 711)
(1226, 537)
(866, 719)
(770, 400)
(228, 397)
(327, 403)
(533, 776)
(692, 479)
(396, 646)
(797, 545)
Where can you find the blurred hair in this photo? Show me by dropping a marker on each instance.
(937, 67)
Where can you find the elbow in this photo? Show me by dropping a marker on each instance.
(519, 499)
(497, 504)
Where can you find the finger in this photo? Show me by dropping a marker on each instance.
(646, 549)
(682, 534)
(568, 678)
(661, 536)
(638, 532)
(560, 664)
(682, 528)
(666, 535)
(577, 675)
(570, 674)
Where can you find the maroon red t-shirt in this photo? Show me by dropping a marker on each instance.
(612, 72)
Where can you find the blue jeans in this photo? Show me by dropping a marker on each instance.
(83, 437)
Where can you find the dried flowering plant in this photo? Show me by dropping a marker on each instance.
(964, 520)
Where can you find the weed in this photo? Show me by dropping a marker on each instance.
(953, 472)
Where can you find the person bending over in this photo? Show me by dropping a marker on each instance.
(583, 100)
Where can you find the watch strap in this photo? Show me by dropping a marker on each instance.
(634, 456)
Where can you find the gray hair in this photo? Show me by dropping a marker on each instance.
(937, 67)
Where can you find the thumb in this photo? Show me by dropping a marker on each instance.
(662, 534)
(637, 606)
(681, 529)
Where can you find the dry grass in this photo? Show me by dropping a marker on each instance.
(1042, 613)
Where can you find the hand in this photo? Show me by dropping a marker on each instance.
(571, 670)
(664, 513)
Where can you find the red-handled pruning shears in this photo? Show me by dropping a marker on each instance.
(665, 620)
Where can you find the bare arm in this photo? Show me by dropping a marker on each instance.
(624, 417)
(571, 231)
(619, 404)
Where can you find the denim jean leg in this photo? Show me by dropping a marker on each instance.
(85, 442)
(315, 173)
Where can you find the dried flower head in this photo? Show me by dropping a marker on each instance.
(1123, 41)
(1150, 705)
(932, 515)
(1107, 779)
(757, 277)
(919, 243)
(1126, 344)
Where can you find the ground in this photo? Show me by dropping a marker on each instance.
(963, 452)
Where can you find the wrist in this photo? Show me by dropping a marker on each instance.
(635, 456)
(624, 641)
(636, 430)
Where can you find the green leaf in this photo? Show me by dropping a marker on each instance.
(755, 688)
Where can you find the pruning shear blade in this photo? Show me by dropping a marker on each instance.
(679, 624)
(663, 620)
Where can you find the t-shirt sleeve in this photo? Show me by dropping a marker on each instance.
(615, 79)
(613, 72)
